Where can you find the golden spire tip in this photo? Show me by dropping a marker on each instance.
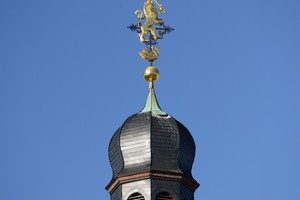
(151, 74)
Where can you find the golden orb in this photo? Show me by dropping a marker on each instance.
(151, 74)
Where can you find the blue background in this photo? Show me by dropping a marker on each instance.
(70, 75)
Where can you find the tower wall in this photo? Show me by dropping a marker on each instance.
(143, 187)
(117, 193)
(172, 187)
(186, 193)
(150, 188)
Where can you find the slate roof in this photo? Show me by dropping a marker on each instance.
(149, 142)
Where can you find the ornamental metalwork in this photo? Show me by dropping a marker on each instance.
(150, 28)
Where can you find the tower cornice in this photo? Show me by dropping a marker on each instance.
(191, 183)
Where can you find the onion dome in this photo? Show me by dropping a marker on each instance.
(151, 141)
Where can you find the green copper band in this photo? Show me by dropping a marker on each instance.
(151, 103)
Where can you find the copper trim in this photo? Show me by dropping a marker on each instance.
(188, 181)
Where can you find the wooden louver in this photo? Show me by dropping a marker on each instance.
(164, 196)
(136, 196)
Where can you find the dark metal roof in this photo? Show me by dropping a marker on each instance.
(148, 142)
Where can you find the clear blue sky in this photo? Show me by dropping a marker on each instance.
(70, 75)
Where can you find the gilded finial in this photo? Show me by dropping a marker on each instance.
(151, 74)
(150, 55)
(151, 15)
(150, 28)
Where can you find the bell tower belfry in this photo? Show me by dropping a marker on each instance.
(152, 153)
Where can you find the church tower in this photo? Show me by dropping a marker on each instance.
(152, 153)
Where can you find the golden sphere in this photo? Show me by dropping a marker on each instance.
(151, 74)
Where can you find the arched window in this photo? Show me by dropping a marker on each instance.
(136, 196)
(164, 196)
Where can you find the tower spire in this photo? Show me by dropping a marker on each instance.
(152, 153)
(151, 75)
(150, 28)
